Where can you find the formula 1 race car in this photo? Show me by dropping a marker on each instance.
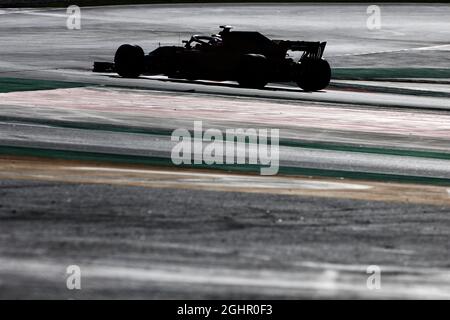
(249, 58)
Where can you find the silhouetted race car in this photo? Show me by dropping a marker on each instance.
(247, 57)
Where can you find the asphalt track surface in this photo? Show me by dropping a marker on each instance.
(86, 175)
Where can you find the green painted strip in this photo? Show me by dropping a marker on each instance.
(283, 142)
(366, 149)
(378, 73)
(382, 89)
(86, 125)
(155, 161)
(18, 84)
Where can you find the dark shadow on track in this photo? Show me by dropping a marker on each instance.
(218, 84)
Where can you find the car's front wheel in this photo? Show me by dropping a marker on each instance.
(129, 61)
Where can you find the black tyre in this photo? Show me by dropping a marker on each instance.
(313, 74)
(129, 61)
(252, 71)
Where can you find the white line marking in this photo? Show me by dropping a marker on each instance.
(444, 47)
(208, 179)
(326, 281)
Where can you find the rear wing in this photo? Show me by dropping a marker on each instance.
(311, 49)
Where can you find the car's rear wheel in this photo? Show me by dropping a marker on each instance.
(129, 61)
(313, 74)
(253, 71)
